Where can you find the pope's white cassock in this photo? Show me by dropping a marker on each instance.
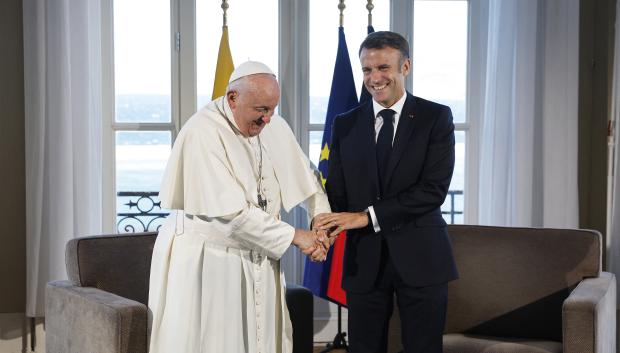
(216, 283)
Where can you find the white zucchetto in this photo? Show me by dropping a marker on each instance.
(250, 68)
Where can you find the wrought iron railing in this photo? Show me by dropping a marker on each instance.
(144, 212)
(451, 210)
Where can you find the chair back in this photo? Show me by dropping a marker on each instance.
(513, 281)
(119, 264)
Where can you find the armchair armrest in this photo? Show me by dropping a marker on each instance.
(589, 316)
(87, 319)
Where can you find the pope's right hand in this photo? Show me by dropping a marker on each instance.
(313, 243)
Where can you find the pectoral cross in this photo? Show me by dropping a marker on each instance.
(262, 203)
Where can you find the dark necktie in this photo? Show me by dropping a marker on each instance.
(384, 143)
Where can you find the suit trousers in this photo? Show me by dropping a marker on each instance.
(422, 312)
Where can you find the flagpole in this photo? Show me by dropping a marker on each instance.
(369, 7)
(224, 66)
(339, 341)
(325, 280)
(224, 16)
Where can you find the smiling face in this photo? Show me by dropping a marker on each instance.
(384, 70)
(252, 100)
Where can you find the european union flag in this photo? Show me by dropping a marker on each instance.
(342, 98)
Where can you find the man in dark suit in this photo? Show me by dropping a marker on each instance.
(390, 166)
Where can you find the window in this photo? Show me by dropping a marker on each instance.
(164, 64)
(142, 123)
(158, 63)
(439, 62)
(323, 34)
(163, 55)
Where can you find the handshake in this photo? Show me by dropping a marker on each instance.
(316, 242)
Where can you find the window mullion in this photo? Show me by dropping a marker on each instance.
(186, 72)
(108, 150)
(144, 127)
(293, 64)
(401, 21)
(175, 43)
(461, 126)
(316, 127)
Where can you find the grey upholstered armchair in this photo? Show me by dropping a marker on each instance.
(102, 307)
(526, 290)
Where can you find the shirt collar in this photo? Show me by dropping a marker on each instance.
(397, 107)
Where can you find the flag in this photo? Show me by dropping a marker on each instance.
(365, 95)
(323, 278)
(224, 66)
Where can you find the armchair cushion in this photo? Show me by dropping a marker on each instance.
(460, 343)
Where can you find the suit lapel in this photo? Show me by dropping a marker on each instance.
(406, 123)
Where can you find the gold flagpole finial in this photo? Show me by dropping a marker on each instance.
(369, 7)
(341, 7)
(225, 8)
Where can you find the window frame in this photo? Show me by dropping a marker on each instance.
(293, 61)
(401, 20)
(183, 93)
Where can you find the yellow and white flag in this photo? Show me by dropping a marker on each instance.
(224, 67)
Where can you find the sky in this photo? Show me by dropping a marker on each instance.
(142, 42)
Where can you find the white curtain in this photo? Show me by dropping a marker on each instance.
(62, 65)
(528, 129)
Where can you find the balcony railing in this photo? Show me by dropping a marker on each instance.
(144, 212)
(449, 207)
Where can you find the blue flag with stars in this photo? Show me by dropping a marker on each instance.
(342, 98)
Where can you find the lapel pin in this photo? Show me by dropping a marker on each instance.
(411, 116)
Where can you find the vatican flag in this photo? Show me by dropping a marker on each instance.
(224, 67)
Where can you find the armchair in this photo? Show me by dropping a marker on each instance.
(527, 290)
(102, 308)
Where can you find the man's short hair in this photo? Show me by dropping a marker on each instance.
(382, 39)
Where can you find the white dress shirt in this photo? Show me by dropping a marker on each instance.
(377, 108)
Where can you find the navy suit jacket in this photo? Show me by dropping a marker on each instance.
(409, 214)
